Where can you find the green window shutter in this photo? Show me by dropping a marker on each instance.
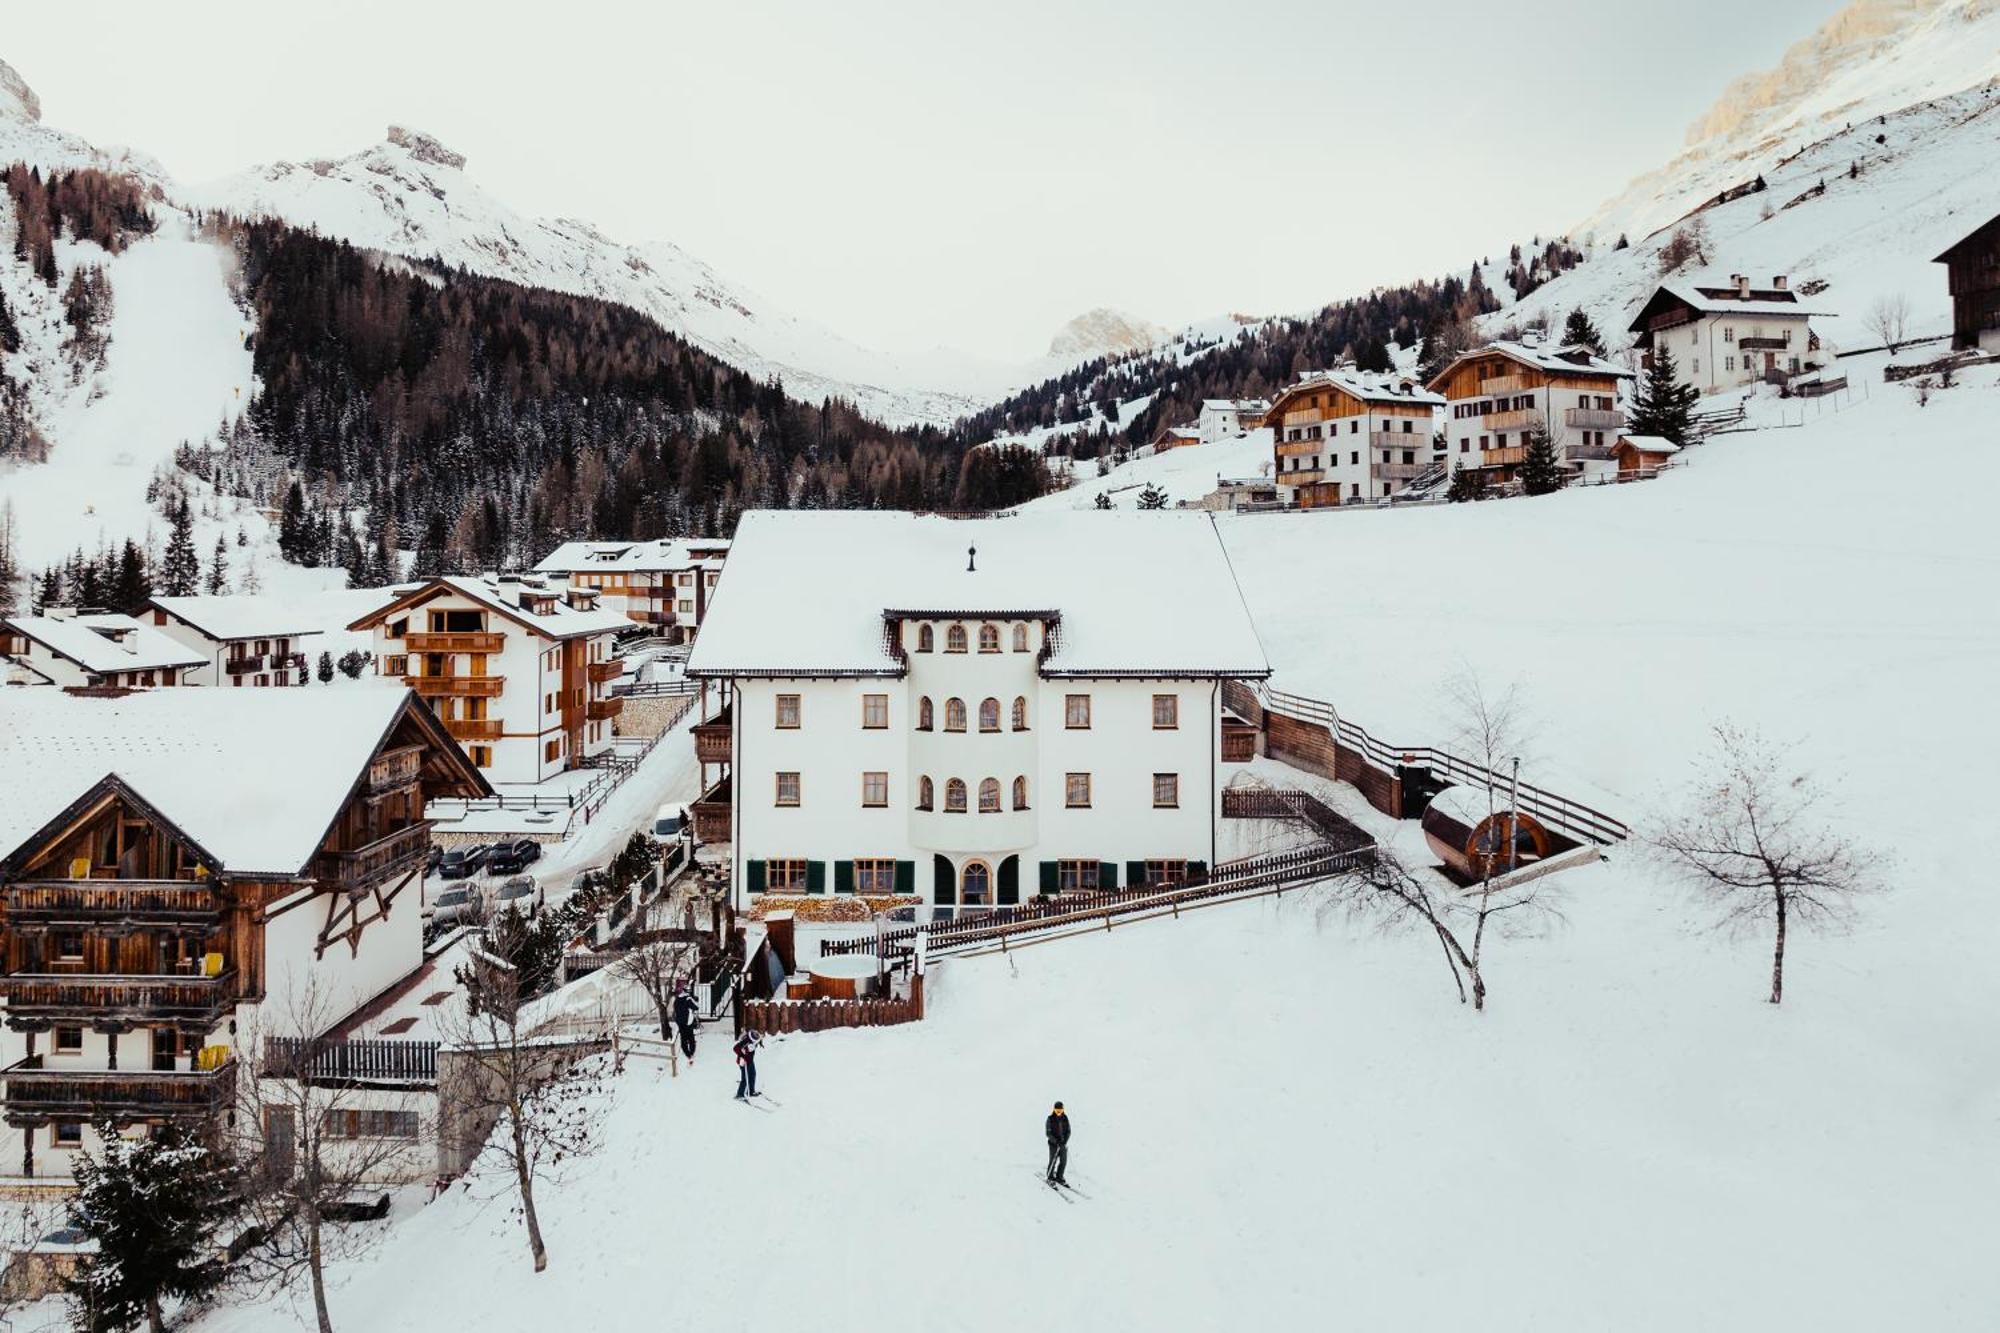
(1107, 874)
(815, 877)
(1135, 874)
(906, 878)
(754, 872)
(1049, 881)
(843, 876)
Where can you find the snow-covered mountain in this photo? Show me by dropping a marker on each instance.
(1872, 58)
(25, 138)
(1104, 331)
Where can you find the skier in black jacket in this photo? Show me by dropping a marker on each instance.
(685, 1016)
(1058, 1132)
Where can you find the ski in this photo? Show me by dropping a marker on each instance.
(1055, 1188)
(765, 1097)
(1066, 1186)
(753, 1106)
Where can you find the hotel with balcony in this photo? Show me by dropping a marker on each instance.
(246, 639)
(519, 668)
(185, 872)
(962, 717)
(662, 584)
(1342, 436)
(1726, 336)
(1498, 394)
(75, 650)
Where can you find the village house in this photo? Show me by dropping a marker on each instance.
(1724, 337)
(1972, 272)
(74, 649)
(247, 639)
(1226, 418)
(991, 709)
(1642, 455)
(185, 874)
(1497, 395)
(1343, 435)
(663, 584)
(1175, 437)
(518, 668)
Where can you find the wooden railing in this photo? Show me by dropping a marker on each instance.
(473, 728)
(1590, 418)
(1519, 418)
(43, 994)
(376, 861)
(711, 740)
(1512, 456)
(1503, 384)
(148, 900)
(1393, 439)
(1335, 829)
(357, 1060)
(459, 641)
(603, 710)
(603, 673)
(712, 814)
(463, 687)
(778, 1016)
(394, 770)
(245, 665)
(34, 1091)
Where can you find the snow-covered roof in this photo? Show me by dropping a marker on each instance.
(505, 597)
(806, 592)
(1234, 405)
(253, 776)
(1568, 359)
(1366, 386)
(667, 553)
(1723, 300)
(102, 644)
(255, 616)
(1652, 444)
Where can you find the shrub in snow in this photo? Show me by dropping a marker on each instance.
(153, 1206)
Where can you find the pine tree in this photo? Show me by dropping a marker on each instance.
(153, 1206)
(1541, 470)
(10, 567)
(294, 526)
(325, 668)
(1663, 406)
(1152, 498)
(430, 559)
(1578, 331)
(1466, 484)
(1103, 500)
(180, 567)
(132, 585)
(218, 568)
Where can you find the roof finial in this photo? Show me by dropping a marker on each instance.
(971, 555)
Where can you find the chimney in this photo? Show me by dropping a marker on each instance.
(1780, 283)
(1742, 281)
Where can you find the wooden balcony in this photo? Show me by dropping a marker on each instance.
(461, 641)
(603, 710)
(1519, 419)
(36, 1094)
(1503, 384)
(247, 665)
(92, 902)
(394, 770)
(462, 687)
(473, 728)
(365, 866)
(61, 997)
(1512, 456)
(1299, 448)
(1590, 418)
(711, 740)
(603, 673)
(711, 814)
(1419, 440)
(1310, 476)
(1399, 471)
(1764, 344)
(1305, 417)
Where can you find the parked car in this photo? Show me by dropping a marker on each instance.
(463, 861)
(520, 893)
(670, 822)
(510, 858)
(455, 906)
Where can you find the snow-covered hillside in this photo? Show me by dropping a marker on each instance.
(1184, 475)
(1872, 58)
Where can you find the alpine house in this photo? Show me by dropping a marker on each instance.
(971, 710)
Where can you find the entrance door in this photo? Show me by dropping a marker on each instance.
(975, 886)
(943, 881)
(1010, 882)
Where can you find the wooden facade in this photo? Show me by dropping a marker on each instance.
(1972, 275)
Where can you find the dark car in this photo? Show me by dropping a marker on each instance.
(463, 861)
(511, 857)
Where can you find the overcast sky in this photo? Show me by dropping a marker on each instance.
(921, 173)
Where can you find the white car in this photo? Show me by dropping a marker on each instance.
(670, 822)
(520, 893)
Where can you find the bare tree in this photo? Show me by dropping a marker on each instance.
(1391, 896)
(660, 969)
(510, 1099)
(1889, 318)
(308, 1139)
(1753, 841)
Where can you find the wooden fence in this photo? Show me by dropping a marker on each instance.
(359, 1060)
(778, 1016)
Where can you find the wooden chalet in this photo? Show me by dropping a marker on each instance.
(175, 863)
(1343, 435)
(1972, 269)
(1499, 394)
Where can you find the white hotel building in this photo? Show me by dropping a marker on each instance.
(973, 711)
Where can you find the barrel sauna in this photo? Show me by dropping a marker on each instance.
(1467, 839)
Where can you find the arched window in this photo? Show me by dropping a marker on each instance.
(924, 713)
(1020, 638)
(924, 792)
(954, 639)
(1020, 793)
(954, 715)
(924, 640)
(989, 638)
(954, 797)
(989, 796)
(1020, 713)
(989, 715)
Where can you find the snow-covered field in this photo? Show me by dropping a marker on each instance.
(1185, 474)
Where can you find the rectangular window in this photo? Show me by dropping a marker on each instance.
(69, 1040)
(788, 712)
(69, 945)
(398, 628)
(482, 756)
(1076, 790)
(1166, 712)
(875, 711)
(396, 664)
(874, 874)
(1074, 875)
(1076, 712)
(1166, 791)
(371, 1124)
(67, 1134)
(788, 789)
(1166, 874)
(552, 751)
(874, 789)
(787, 876)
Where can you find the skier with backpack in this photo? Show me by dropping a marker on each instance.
(1057, 1128)
(746, 1066)
(686, 1015)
